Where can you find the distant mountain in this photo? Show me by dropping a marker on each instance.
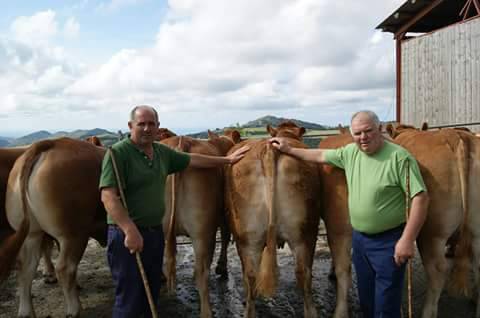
(275, 121)
(103, 134)
(262, 122)
(5, 141)
(28, 139)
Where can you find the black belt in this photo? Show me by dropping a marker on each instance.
(143, 228)
(392, 230)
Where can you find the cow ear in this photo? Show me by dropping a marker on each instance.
(272, 131)
(301, 131)
(236, 136)
(424, 126)
(212, 135)
(390, 130)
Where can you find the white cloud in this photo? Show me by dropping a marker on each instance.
(71, 28)
(38, 29)
(113, 5)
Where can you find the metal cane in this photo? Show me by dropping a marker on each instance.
(137, 254)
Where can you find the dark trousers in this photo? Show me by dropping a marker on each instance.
(130, 296)
(379, 279)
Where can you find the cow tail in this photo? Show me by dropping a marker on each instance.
(171, 238)
(268, 273)
(463, 251)
(10, 247)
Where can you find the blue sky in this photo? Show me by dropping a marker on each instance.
(67, 65)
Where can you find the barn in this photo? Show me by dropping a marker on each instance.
(437, 62)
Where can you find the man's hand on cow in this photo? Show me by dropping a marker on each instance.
(238, 154)
(404, 250)
(133, 240)
(280, 143)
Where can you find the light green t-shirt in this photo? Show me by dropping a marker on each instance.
(377, 185)
(143, 180)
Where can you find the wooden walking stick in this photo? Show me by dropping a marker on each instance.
(409, 261)
(153, 309)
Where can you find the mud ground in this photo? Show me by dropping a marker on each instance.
(226, 295)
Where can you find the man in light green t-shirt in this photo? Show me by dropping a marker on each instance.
(143, 167)
(383, 240)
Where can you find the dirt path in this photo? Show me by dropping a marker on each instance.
(227, 296)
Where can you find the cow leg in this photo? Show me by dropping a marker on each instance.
(436, 266)
(303, 270)
(71, 252)
(250, 258)
(340, 246)
(203, 248)
(476, 272)
(29, 257)
(49, 270)
(221, 268)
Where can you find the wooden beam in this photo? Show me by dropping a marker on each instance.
(417, 17)
(477, 6)
(465, 9)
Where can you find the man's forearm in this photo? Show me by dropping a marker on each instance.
(314, 155)
(117, 212)
(418, 214)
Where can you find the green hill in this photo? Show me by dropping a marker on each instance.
(275, 121)
(105, 136)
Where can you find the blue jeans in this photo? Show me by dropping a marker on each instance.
(379, 279)
(130, 296)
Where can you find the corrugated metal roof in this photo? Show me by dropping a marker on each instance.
(445, 13)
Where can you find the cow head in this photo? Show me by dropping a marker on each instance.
(94, 140)
(395, 130)
(287, 129)
(164, 133)
(225, 142)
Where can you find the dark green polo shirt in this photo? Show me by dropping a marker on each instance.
(143, 180)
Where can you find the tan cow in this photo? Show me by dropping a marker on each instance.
(53, 190)
(198, 210)
(272, 198)
(334, 200)
(449, 161)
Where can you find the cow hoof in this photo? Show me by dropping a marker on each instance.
(222, 272)
(332, 277)
(50, 279)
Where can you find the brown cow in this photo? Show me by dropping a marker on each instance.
(53, 190)
(198, 210)
(273, 198)
(450, 166)
(7, 159)
(334, 200)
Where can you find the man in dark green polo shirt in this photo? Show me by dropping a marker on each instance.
(143, 167)
(383, 240)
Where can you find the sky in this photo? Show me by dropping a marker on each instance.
(83, 64)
